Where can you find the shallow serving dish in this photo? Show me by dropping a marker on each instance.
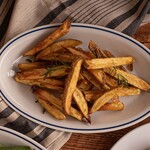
(20, 98)
(9, 137)
(136, 139)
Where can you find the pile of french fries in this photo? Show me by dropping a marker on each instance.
(68, 81)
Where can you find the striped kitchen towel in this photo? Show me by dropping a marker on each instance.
(122, 15)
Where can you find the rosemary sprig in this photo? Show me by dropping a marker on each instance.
(47, 72)
(122, 80)
(113, 71)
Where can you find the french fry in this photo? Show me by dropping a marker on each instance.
(51, 109)
(48, 97)
(113, 106)
(90, 78)
(56, 102)
(34, 65)
(78, 52)
(100, 76)
(110, 81)
(92, 94)
(28, 82)
(84, 85)
(56, 47)
(119, 91)
(71, 84)
(81, 102)
(110, 55)
(61, 31)
(58, 71)
(93, 47)
(40, 84)
(130, 67)
(51, 81)
(76, 114)
(130, 78)
(64, 57)
(99, 63)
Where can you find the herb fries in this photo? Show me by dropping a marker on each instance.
(68, 81)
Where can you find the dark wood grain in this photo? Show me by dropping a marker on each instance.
(98, 141)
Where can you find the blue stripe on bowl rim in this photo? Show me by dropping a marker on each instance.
(14, 133)
(78, 26)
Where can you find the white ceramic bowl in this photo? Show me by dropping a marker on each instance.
(20, 98)
(9, 137)
(137, 139)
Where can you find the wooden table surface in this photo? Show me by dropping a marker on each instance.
(104, 141)
(98, 141)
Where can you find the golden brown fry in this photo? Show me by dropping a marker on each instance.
(84, 85)
(57, 47)
(113, 106)
(99, 63)
(130, 67)
(61, 31)
(99, 75)
(51, 81)
(110, 55)
(71, 84)
(130, 78)
(40, 84)
(56, 102)
(120, 91)
(28, 82)
(51, 109)
(96, 50)
(76, 114)
(58, 71)
(34, 65)
(64, 57)
(78, 52)
(48, 97)
(93, 94)
(111, 82)
(81, 102)
(90, 78)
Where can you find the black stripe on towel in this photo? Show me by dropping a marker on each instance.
(22, 125)
(131, 29)
(100, 11)
(44, 134)
(113, 10)
(115, 22)
(6, 113)
(4, 25)
(54, 13)
(88, 5)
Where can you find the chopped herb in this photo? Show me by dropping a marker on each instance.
(113, 71)
(47, 72)
(122, 80)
